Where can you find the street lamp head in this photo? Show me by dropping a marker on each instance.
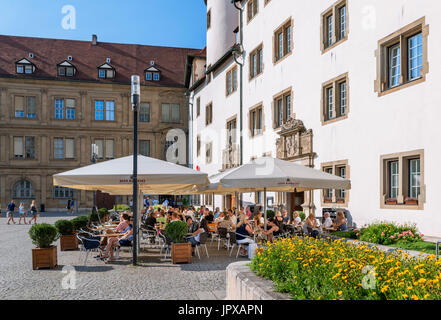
(136, 91)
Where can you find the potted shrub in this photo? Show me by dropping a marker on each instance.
(68, 240)
(79, 222)
(45, 254)
(103, 214)
(327, 200)
(181, 250)
(340, 200)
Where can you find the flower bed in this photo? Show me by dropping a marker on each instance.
(315, 269)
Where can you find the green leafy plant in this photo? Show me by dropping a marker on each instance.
(346, 234)
(302, 215)
(122, 207)
(177, 231)
(43, 235)
(64, 227)
(80, 222)
(387, 233)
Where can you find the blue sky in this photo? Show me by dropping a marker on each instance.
(176, 23)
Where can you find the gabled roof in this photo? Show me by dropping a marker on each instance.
(127, 59)
(105, 66)
(24, 61)
(65, 63)
(152, 69)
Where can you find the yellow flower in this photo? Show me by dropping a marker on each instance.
(405, 296)
(414, 297)
(340, 292)
(384, 289)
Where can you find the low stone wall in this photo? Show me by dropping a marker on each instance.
(243, 284)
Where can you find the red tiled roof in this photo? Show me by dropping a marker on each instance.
(127, 59)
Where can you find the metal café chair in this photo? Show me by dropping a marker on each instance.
(88, 244)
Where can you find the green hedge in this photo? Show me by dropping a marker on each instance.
(64, 227)
(43, 235)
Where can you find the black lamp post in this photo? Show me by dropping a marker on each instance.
(136, 91)
(94, 156)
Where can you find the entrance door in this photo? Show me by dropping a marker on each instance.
(297, 199)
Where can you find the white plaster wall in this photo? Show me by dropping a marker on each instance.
(398, 122)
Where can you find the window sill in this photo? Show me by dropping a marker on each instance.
(402, 86)
(255, 77)
(333, 120)
(276, 62)
(231, 93)
(325, 50)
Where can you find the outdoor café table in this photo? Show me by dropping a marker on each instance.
(212, 226)
(111, 235)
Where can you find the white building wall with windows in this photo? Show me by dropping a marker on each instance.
(400, 121)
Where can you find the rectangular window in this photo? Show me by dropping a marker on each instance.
(336, 197)
(198, 107)
(208, 152)
(208, 114)
(335, 102)
(70, 109)
(170, 113)
(330, 30)
(343, 98)
(402, 58)
(256, 121)
(283, 41)
(253, 9)
(59, 148)
(19, 107)
(144, 112)
(282, 108)
(329, 192)
(110, 110)
(148, 76)
(18, 148)
(99, 110)
(208, 19)
(287, 113)
(256, 63)
(30, 147)
(31, 107)
(59, 109)
(415, 56)
(330, 102)
(394, 65)
(100, 144)
(231, 80)
(342, 173)
(63, 193)
(342, 11)
(231, 133)
(198, 145)
(414, 178)
(279, 112)
(393, 179)
(144, 147)
(110, 149)
(70, 148)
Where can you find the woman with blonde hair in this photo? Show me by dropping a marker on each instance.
(22, 213)
(311, 225)
(341, 222)
(34, 212)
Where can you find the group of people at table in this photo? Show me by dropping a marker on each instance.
(247, 226)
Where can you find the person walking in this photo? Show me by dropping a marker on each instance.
(10, 212)
(34, 212)
(22, 213)
(69, 203)
(72, 206)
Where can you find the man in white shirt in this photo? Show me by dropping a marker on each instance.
(328, 221)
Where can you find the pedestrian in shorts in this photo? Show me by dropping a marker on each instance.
(10, 212)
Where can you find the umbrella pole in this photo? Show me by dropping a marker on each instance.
(264, 207)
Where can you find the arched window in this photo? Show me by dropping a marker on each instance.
(23, 190)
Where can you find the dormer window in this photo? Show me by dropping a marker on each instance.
(24, 66)
(66, 69)
(106, 71)
(152, 73)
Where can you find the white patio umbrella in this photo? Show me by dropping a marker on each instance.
(269, 174)
(154, 176)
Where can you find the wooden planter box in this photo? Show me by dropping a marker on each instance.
(340, 200)
(411, 201)
(68, 243)
(181, 253)
(327, 200)
(44, 258)
(391, 201)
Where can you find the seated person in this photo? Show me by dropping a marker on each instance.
(296, 221)
(161, 217)
(124, 223)
(210, 217)
(150, 222)
(258, 222)
(341, 223)
(243, 232)
(328, 224)
(113, 242)
(194, 239)
(220, 217)
(193, 226)
(285, 217)
(273, 229)
(311, 225)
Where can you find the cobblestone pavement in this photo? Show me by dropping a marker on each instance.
(156, 279)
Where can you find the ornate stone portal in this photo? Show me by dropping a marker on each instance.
(295, 144)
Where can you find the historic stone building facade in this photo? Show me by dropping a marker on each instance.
(58, 97)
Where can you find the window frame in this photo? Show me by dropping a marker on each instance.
(278, 45)
(209, 114)
(232, 72)
(170, 114)
(329, 39)
(383, 84)
(105, 110)
(338, 198)
(252, 9)
(24, 142)
(256, 66)
(66, 115)
(256, 116)
(26, 107)
(335, 84)
(404, 199)
(64, 148)
(281, 96)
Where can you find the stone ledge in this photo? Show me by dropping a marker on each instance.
(243, 284)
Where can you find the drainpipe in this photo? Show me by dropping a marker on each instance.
(241, 78)
(240, 51)
(190, 129)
